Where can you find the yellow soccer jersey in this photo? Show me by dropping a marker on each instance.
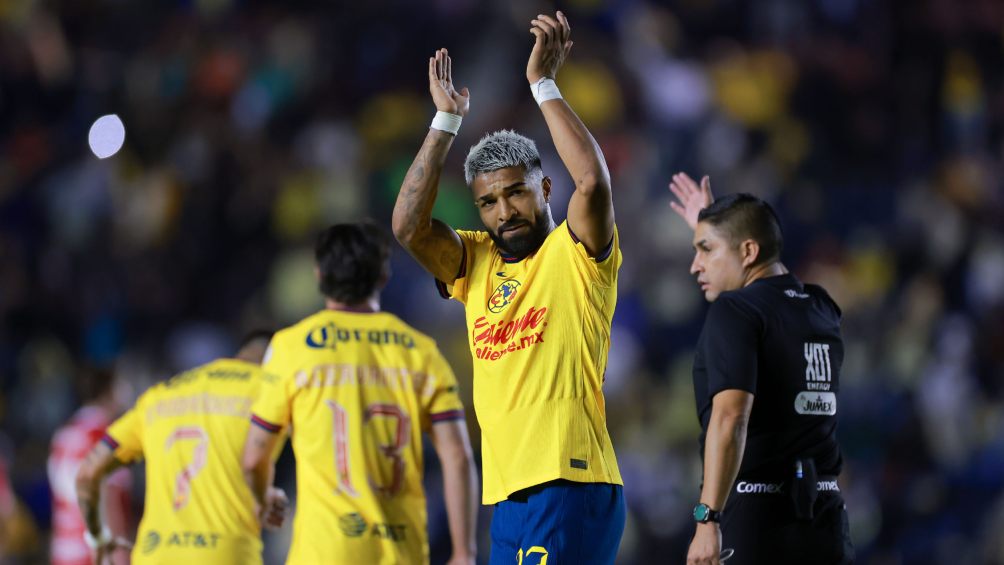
(358, 389)
(191, 431)
(539, 331)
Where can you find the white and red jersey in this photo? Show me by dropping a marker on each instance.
(70, 445)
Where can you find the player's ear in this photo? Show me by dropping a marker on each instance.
(749, 251)
(545, 187)
(317, 273)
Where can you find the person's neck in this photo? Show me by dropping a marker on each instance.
(370, 305)
(771, 269)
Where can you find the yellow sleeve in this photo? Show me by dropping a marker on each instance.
(271, 408)
(125, 436)
(601, 269)
(458, 290)
(441, 397)
(261, 378)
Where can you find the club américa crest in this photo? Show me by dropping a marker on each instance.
(503, 296)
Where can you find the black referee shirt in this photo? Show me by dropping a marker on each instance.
(779, 340)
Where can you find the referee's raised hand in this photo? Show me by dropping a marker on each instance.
(692, 198)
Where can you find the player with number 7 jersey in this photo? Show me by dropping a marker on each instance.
(358, 387)
(189, 430)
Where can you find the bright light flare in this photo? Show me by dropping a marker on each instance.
(106, 136)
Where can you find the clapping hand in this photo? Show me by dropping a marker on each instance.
(550, 48)
(445, 96)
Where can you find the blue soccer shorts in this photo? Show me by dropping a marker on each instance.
(558, 522)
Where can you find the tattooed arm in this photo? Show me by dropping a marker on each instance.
(257, 461)
(271, 503)
(98, 464)
(433, 244)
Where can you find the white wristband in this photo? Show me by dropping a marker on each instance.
(102, 540)
(544, 90)
(445, 121)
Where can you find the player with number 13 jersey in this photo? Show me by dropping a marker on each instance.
(357, 387)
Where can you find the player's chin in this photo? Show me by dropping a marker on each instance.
(520, 243)
(711, 294)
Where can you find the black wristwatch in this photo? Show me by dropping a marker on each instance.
(704, 514)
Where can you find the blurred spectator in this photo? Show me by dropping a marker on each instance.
(18, 534)
(70, 444)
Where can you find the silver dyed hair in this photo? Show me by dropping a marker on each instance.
(498, 150)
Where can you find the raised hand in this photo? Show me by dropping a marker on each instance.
(550, 48)
(692, 198)
(446, 98)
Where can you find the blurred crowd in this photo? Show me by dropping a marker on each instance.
(876, 127)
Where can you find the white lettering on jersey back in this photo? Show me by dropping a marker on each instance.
(817, 366)
(816, 403)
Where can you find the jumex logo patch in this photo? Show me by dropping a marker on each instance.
(503, 296)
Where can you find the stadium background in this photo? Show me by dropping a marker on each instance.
(875, 127)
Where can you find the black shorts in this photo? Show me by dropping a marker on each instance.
(761, 528)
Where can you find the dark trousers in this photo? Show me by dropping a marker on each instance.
(762, 528)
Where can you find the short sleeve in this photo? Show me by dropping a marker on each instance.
(731, 344)
(471, 242)
(603, 268)
(272, 407)
(125, 436)
(441, 394)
